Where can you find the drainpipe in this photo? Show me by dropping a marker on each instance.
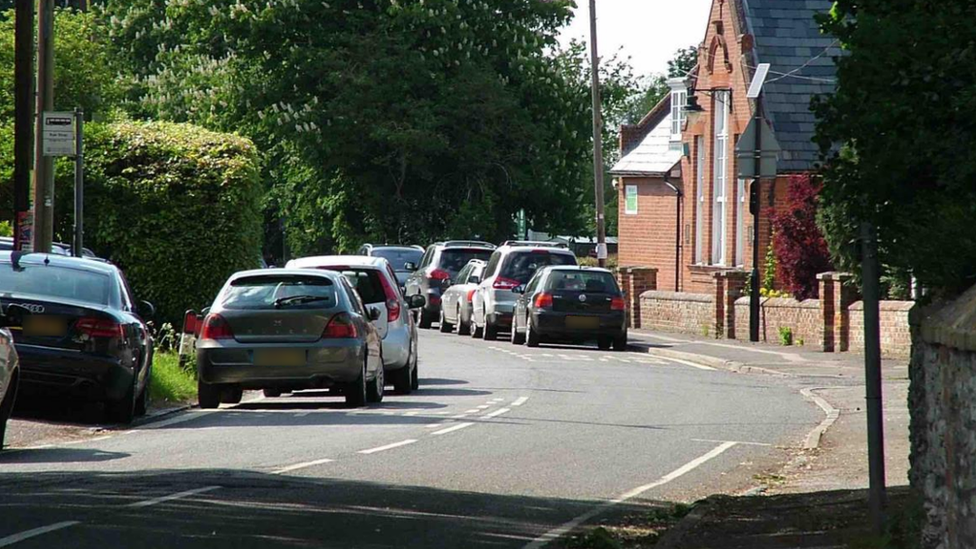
(677, 234)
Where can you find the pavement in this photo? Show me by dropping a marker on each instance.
(503, 446)
(818, 498)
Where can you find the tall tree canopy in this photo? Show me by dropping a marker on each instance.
(904, 116)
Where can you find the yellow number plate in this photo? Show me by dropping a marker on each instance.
(44, 326)
(582, 322)
(279, 357)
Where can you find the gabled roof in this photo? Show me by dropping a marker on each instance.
(652, 155)
(788, 37)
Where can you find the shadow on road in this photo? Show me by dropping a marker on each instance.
(58, 455)
(261, 510)
(440, 381)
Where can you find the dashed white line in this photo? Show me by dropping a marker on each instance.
(298, 466)
(27, 534)
(388, 446)
(453, 428)
(555, 533)
(171, 497)
(497, 413)
(411, 414)
(692, 364)
(520, 401)
(483, 406)
(472, 411)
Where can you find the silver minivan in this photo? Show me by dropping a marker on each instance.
(376, 282)
(510, 266)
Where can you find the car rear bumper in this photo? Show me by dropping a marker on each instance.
(554, 324)
(48, 370)
(327, 364)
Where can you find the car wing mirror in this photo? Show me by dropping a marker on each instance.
(519, 289)
(373, 314)
(410, 266)
(417, 301)
(146, 309)
(474, 280)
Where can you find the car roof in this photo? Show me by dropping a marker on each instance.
(272, 273)
(59, 260)
(359, 261)
(578, 268)
(465, 244)
(396, 247)
(564, 251)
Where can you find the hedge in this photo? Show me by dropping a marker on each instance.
(175, 206)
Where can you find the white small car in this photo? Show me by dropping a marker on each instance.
(376, 282)
(9, 377)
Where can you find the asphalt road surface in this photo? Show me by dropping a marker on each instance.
(503, 447)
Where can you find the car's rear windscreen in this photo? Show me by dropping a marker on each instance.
(55, 282)
(399, 257)
(521, 266)
(255, 293)
(367, 284)
(454, 259)
(582, 281)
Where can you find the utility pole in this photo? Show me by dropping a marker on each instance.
(23, 115)
(44, 165)
(755, 207)
(872, 377)
(601, 231)
(78, 243)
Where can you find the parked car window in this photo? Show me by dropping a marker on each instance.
(534, 282)
(354, 301)
(454, 259)
(257, 293)
(128, 298)
(462, 277)
(54, 281)
(427, 257)
(493, 264)
(521, 266)
(367, 284)
(583, 281)
(398, 258)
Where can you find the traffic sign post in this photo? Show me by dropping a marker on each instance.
(58, 134)
(62, 134)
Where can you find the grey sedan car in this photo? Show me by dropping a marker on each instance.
(289, 329)
(9, 377)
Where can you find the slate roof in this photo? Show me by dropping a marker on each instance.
(653, 155)
(788, 38)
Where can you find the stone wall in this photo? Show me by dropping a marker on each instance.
(943, 425)
(803, 318)
(896, 338)
(678, 312)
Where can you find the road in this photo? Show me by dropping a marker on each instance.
(502, 447)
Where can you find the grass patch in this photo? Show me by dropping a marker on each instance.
(171, 384)
(634, 531)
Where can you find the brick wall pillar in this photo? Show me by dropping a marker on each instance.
(836, 295)
(634, 281)
(729, 286)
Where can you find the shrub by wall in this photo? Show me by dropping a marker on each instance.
(177, 207)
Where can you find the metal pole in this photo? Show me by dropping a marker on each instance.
(872, 377)
(77, 245)
(755, 207)
(601, 232)
(23, 114)
(44, 165)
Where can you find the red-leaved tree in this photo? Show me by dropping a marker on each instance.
(801, 251)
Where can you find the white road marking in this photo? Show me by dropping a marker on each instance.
(520, 401)
(453, 428)
(497, 413)
(604, 360)
(298, 466)
(483, 406)
(462, 416)
(433, 425)
(496, 400)
(739, 442)
(171, 497)
(388, 446)
(411, 414)
(471, 411)
(692, 364)
(559, 531)
(27, 534)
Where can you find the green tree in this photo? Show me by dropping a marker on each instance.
(904, 115)
(683, 61)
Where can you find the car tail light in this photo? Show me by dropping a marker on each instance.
(340, 327)
(392, 301)
(440, 274)
(97, 327)
(502, 283)
(617, 304)
(191, 323)
(216, 327)
(543, 300)
(471, 296)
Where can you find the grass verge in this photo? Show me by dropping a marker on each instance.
(171, 384)
(634, 531)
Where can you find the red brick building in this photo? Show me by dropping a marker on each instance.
(683, 209)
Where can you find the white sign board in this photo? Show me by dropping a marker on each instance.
(757, 81)
(58, 133)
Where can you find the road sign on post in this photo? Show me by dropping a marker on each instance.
(745, 151)
(758, 135)
(58, 134)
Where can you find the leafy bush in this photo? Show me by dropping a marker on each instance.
(177, 207)
(801, 252)
(785, 336)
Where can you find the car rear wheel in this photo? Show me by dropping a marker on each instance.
(445, 326)
(374, 391)
(7, 407)
(208, 396)
(531, 336)
(122, 410)
(272, 393)
(463, 328)
(356, 391)
(426, 319)
(232, 395)
(491, 331)
(603, 342)
(415, 376)
(476, 331)
(142, 403)
(620, 343)
(517, 338)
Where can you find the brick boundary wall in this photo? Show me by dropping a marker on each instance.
(832, 323)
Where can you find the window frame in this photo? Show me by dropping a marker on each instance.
(720, 172)
(636, 197)
(700, 201)
(679, 98)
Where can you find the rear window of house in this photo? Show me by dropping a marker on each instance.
(582, 281)
(261, 292)
(521, 266)
(56, 283)
(454, 259)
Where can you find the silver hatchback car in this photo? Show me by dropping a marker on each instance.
(289, 329)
